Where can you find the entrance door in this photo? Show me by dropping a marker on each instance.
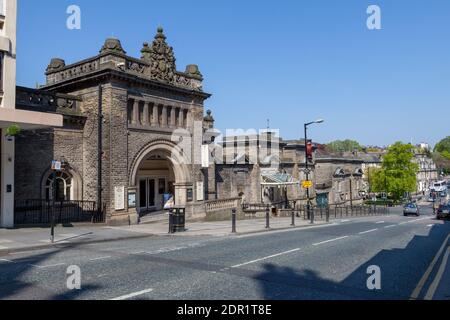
(151, 193)
(143, 194)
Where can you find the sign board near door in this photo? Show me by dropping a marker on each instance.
(200, 191)
(119, 198)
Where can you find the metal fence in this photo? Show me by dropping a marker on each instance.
(29, 212)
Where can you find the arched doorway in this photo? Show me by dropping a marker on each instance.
(160, 169)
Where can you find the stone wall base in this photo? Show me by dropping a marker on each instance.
(122, 220)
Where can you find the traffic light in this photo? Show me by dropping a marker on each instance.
(309, 150)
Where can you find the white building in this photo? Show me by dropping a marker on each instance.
(9, 116)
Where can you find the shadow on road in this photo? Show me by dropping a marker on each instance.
(18, 283)
(401, 271)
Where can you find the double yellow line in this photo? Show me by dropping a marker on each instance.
(434, 285)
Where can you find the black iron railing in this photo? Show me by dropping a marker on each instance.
(29, 212)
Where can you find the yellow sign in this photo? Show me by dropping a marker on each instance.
(307, 184)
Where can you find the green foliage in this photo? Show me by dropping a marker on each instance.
(443, 146)
(442, 161)
(344, 146)
(441, 155)
(13, 130)
(398, 173)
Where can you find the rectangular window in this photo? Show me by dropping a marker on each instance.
(2, 8)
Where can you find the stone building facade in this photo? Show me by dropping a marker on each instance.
(133, 131)
(339, 179)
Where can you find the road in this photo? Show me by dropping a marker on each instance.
(324, 262)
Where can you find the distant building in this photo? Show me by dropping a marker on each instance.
(428, 172)
(339, 179)
(9, 115)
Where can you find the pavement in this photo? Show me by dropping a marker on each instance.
(37, 238)
(322, 262)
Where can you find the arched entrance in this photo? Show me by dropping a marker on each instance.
(158, 170)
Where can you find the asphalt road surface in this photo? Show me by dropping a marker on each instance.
(326, 262)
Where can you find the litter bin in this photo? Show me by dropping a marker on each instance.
(177, 219)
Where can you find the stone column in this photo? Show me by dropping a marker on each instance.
(135, 117)
(181, 118)
(146, 116)
(173, 116)
(155, 115)
(164, 117)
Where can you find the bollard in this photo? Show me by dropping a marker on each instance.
(293, 218)
(328, 214)
(267, 218)
(311, 213)
(233, 221)
(170, 222)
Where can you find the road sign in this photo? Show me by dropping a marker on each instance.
(307, 184)
(56, 166)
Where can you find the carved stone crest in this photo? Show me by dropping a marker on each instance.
(161, 58)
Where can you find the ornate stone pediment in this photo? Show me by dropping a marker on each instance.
(161, 58)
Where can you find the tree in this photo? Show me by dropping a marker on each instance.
(441, 155)
(443, 146)
(398, 172)
(344, 146)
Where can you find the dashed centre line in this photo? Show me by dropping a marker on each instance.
(368, 231)
(328, 241)
(100, 258)
(265, 258)
(132, 295)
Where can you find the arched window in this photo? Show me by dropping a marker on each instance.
(63, 184)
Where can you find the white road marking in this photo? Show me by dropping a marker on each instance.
(3, 248)
(345, 220)
(5, 241)
(427, 273)
(138, 253)
(48, 266)
(132, 295)
(100, 258)
(391, 226)
(323, 242)
(265, 258)
(380, 222)
(430, 225)
(6, 260)
(368, 231)
(437, 280)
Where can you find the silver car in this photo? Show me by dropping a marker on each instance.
(411, 209)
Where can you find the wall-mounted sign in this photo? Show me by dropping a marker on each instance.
(56, 166)
(200, 191)
(205, 156)
(119, 198)
(132, 199)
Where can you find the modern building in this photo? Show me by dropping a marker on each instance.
(12, 119)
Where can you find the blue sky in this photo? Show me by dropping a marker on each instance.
(287, 61)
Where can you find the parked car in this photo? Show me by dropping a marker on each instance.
(443, 211)
(411, 208)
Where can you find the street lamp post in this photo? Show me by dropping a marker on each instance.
(308, 206)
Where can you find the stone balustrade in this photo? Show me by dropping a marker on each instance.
(122, 63)
(222, 204)
(46, 101)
